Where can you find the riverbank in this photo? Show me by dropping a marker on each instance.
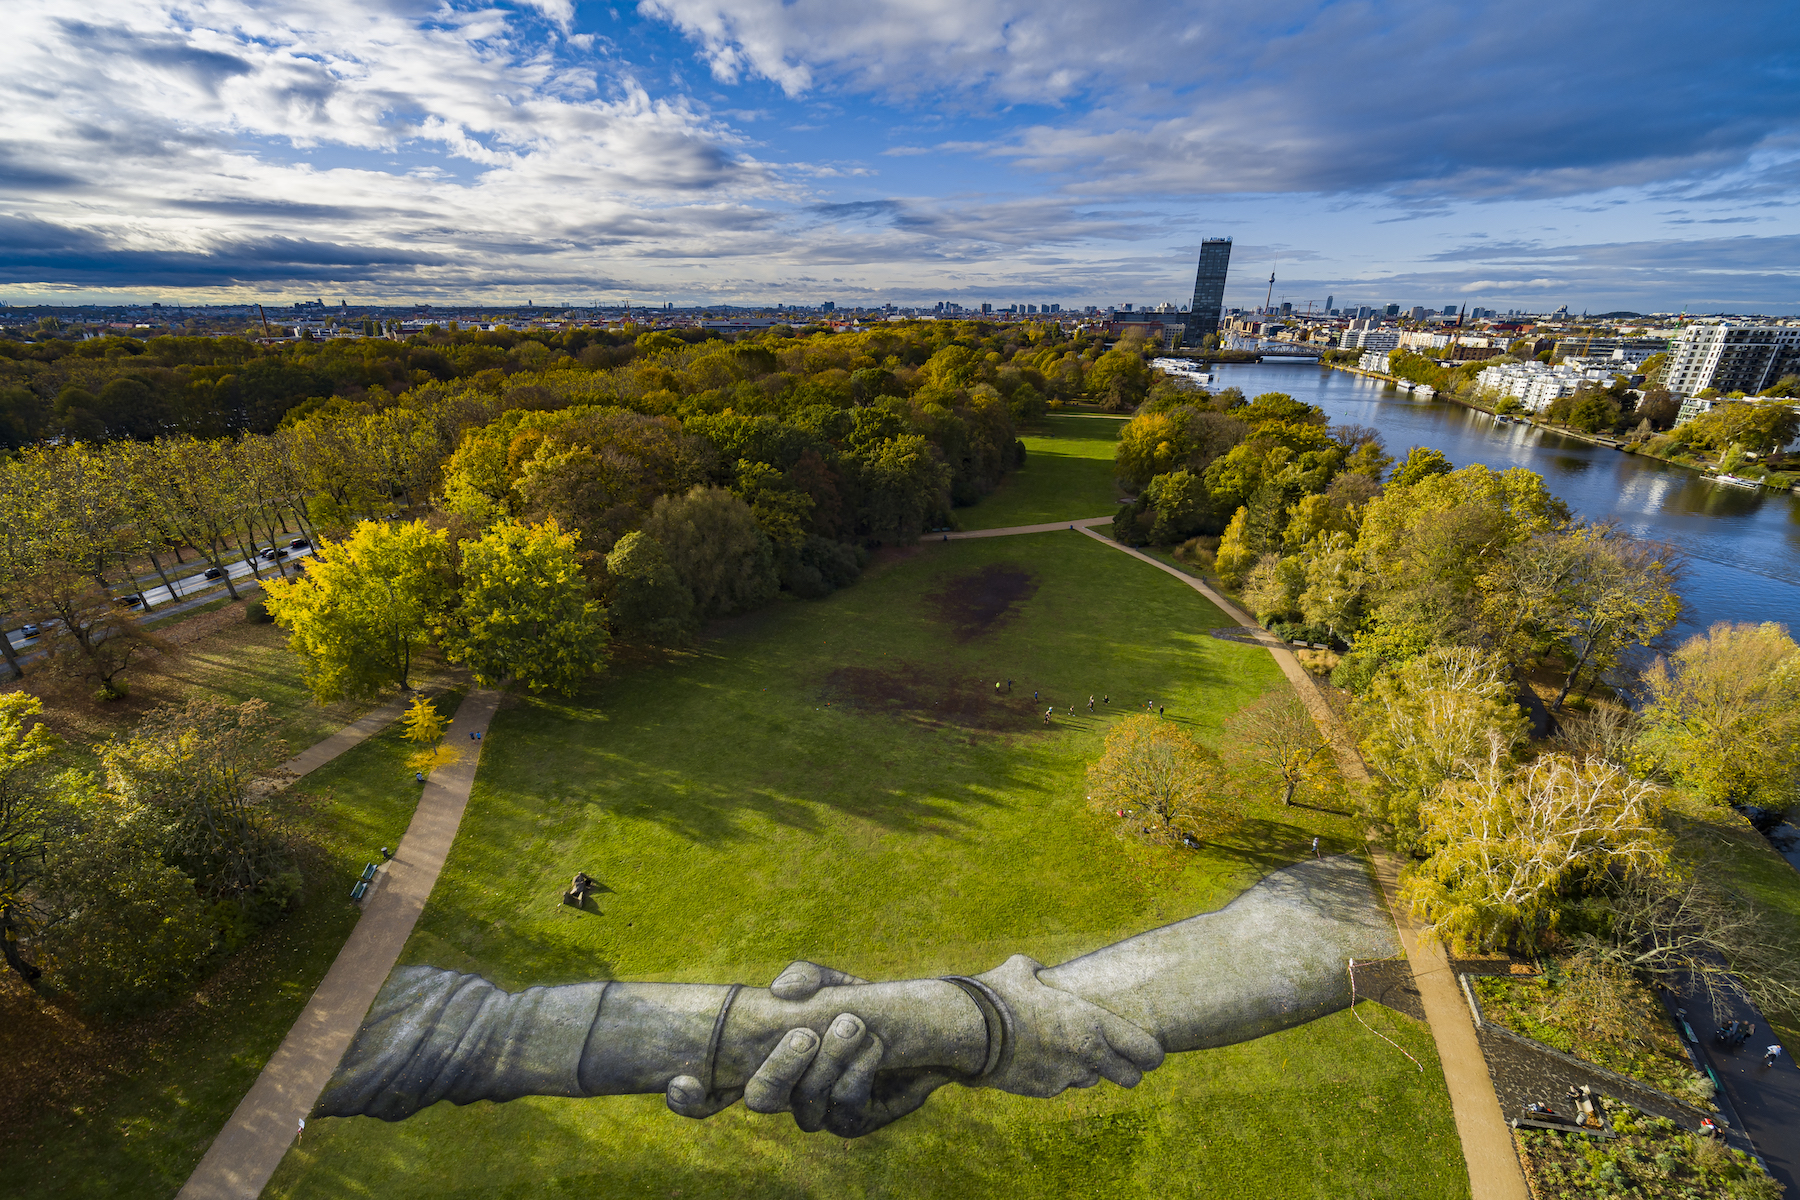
(1532, 421)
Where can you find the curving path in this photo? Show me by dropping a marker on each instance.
(250, 1147)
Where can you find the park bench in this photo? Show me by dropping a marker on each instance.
(1588, 1118)
(361, 887)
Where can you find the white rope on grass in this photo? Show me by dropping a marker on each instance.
(1384, 1037)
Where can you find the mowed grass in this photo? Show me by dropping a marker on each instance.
(129, 1109)
(1068, 474)
(838, 781)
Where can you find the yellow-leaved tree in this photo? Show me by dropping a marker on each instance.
(1167, 786)
(523, 610)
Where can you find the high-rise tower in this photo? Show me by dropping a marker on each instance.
(1209, 289)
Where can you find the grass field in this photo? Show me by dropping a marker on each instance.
(1068, 473)
(839, 781)
(128, 1109)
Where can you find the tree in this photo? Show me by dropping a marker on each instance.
(25, 819)
(1722, 715)
(649, 601)
(523, 610)
(1169, 785)
(1590, 586)
(1277, 739)
(1421, 463)
(712, 542)
(1508, 843)
(192, 765)
(424, 724)
(1431, 719)
(92, 636)
(365, 605)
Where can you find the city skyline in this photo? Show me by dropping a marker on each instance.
(753, 152)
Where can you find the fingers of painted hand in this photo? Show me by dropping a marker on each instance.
(771, 1088)
(688, 1097)
(801, 980)
(847, 1053)
(883, 1099)
(1061, 1041)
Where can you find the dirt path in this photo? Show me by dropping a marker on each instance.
(252, 1144)
(1494, 1172)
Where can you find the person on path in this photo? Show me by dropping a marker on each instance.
(1770, 1055)
(1745, 1034)
(419, 775)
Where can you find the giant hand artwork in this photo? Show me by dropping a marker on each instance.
(849, 1056)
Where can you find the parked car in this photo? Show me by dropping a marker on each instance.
(214, 573)
(28, 631)
(299, 544)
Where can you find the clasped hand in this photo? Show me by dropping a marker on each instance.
(835, 1081)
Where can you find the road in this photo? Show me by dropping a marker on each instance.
(191, 591)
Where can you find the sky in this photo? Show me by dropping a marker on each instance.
(1606, 157)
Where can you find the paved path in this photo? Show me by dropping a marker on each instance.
(355, 733)
(251, 1145)
(1494, 1171)
(1766, 1099)
(1082, 523)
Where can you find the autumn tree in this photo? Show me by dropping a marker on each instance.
(1170, 786)
(366, 605)
(91, 636)
(523, 610)
(1276, 739)
(1429, 720)
(1722, 715)
(25, 820)
(1508, 842)
(193, 765)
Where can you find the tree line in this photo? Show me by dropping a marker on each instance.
(1440, 591)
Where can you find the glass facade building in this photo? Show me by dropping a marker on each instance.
(1209, 288)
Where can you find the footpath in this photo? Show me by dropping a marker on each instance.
(1487, 1143)
(248, 1149)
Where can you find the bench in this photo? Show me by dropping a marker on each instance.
(361, 887)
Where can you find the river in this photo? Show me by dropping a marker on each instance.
(1742, 547)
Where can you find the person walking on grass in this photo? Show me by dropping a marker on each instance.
(1770, 1055)
(1090, 704)
(1047, 713)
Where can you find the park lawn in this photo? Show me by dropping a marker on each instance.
(838, 781)
(129, 1109)
(1068, 474)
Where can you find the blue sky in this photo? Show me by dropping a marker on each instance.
(1601, 156)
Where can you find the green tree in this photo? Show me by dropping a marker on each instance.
(1276, 740)
(712, 541)
(1722, 715)
(1421, 463)
(524, 611)
(649, 601)
(365, 606)
(25, 821)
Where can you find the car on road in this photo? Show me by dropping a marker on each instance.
(215, 573)
(299, 544)
(135, 600)
(28, 631)
(273, 553)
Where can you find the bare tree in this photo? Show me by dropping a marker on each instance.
(1277, 738)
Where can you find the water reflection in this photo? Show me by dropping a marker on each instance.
(1743, 546)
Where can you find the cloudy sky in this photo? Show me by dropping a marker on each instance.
(1598, 155)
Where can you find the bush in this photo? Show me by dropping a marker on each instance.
(111, 690)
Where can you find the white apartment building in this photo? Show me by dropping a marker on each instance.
(1535, 384)
(1732, 358)
(1374, 360)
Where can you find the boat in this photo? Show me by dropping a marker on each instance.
(1735, 480)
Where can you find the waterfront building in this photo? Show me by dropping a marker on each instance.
(1373, 360)
(1209, 288)
(1631, 350)
(1732, 358)
(1535, 384)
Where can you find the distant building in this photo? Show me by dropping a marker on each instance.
(1209, 288)
(1732, 358)
(1631, 350)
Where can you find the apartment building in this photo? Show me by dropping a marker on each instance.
(1732, 358)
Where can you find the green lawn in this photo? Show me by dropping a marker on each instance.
(128, 1110)
(1068, 473)
(839, 781)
